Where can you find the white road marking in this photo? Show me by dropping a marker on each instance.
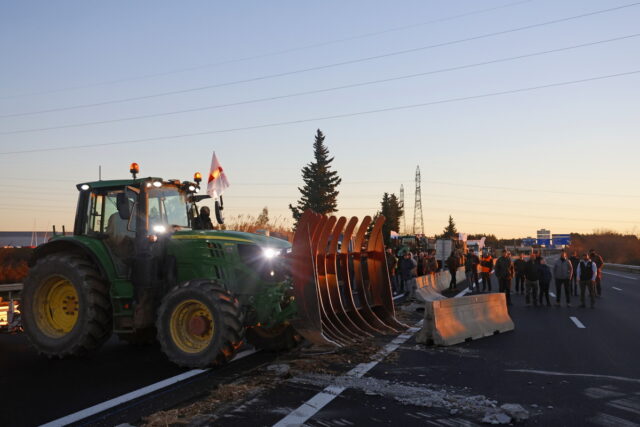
(617, 289)
(552, 294)
(398, 296)
(463, 293)
(565, 374)
(622, 275)
(577, 322)
(311, 407)
(101, 407)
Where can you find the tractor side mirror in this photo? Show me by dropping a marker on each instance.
(124, 206)
(219, 206)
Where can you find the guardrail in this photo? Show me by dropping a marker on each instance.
(11, 287)
(623, 267)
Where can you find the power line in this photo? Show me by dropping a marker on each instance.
(323, 90)
(331, 117)
(275, 53)
(321, 67)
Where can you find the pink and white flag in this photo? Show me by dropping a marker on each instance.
(217, 182)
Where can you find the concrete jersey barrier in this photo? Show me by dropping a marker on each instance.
(455, 320)
(429, 287)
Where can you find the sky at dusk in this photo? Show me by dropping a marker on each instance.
(521, 114)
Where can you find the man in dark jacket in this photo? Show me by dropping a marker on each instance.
(432, 262)
(519, 266)
(544, 280)
(575, 260)
(504, 271)
(453, 262)
(408, 268)
(599, 264)
(587, 274)
(471, 270)
(532, 275)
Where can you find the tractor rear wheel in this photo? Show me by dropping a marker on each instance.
(66, 309)
(277, 338)
(199, 324)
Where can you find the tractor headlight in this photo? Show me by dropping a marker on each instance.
(159, 228)
(270, 253)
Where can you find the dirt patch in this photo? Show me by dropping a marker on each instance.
(216, 401)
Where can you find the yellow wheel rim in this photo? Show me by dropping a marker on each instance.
(56, 306)
(192, 326)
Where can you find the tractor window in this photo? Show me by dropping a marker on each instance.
(168, 206)
(104, 211)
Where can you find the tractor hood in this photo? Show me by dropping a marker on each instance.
(234, 237)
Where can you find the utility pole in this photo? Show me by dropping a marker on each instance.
(418, 223)
(403, 222)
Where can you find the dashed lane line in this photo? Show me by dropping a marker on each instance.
(312, 406)
(617, 289)
(101, 407)
(578, 323)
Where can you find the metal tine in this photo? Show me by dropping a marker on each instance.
(344, 273)
(330, 322)
(325, 300)
(358, 281)
(379, 285)
(308, 322)
(333, 288)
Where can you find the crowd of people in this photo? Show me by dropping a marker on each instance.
(574, 276)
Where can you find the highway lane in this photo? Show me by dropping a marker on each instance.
(564, 375)
(536, 364)
(36, 390)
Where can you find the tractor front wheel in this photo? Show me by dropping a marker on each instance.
(66, 310)
(199, 324)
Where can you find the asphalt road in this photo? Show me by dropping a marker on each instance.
(563, 374)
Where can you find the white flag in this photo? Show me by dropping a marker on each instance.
(217, 182)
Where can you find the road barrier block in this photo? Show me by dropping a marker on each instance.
(455, 320)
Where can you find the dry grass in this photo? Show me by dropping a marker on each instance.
(277, 227)
(614, 247)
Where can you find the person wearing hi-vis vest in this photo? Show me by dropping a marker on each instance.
(587, 273)
(486, 265)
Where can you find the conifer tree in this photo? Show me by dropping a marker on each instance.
(392, 211)
(450, 230)
(319, 192)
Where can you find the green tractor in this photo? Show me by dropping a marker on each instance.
(138, 266)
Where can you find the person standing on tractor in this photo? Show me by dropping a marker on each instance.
(575, 260)
(471, 270)
(563, 271)
(597, 259)
(453, 263)
(520, 265)
(486, 265)
(504, 272)
(587, 274)
(203, 221)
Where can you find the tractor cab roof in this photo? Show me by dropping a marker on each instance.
(115, 183)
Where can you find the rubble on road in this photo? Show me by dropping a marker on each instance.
(430, 396)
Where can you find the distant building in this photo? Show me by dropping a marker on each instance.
(544, 237)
